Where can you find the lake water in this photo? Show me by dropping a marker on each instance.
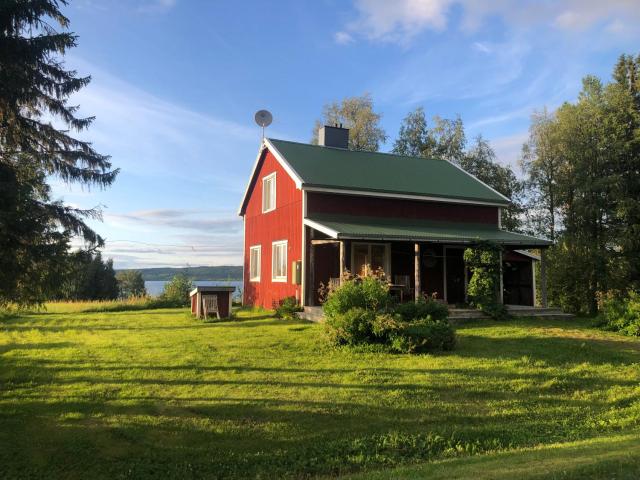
(155, 287)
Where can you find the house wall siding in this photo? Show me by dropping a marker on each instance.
(283, 223)
(318, 202)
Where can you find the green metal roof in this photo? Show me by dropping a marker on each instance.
(370, 228)
(336, 168)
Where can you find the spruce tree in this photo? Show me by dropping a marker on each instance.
(35, 88)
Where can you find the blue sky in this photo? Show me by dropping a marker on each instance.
(176, 83)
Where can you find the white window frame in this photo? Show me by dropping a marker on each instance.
(265, 179)
(255, 248)
(274, 245)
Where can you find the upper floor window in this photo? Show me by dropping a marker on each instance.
(254, 263)
(269, 193)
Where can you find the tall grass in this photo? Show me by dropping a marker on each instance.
(120, 305)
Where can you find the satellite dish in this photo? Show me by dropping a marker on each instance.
(263, 118)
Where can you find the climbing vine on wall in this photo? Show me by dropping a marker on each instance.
(483, 261)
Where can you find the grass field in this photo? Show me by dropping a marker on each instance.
(158, 394)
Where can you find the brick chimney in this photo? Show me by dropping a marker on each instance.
(336, 137)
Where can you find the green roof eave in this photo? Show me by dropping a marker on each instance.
(408, 194)
(372, 228)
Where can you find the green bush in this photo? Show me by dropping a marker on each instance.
(424, 335)
(360, 313)
(176, 292)
(131, 284)
(369, 293)
(287, 308)
(385, 326)
(424, 308)
(621, 313)
(353, 327)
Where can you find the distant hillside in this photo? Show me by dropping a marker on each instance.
(224, 272)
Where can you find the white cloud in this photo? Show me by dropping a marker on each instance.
(401, 20)
(505, 116)
(157, 6)
(398, 20)
(177, 251)
(343, 38)
(205, 221)
(482, 47)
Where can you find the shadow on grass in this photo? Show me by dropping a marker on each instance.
(599, 458)
(266, 437)
(35, 346)
(214, 432)
(553, 351)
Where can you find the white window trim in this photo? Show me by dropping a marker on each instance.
(281, 279)
(275, 182)
(257, 248)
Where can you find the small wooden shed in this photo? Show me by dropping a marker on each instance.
(223, 294)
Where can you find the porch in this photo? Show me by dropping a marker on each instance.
(315, 313)
(417, 258)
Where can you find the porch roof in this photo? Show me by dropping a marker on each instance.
(372, 228)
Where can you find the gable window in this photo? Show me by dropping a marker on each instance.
(254, 263)
(279, 261)
(269, 193)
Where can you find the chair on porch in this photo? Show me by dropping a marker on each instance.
(404, 284)
(210, 305)
(334, 283)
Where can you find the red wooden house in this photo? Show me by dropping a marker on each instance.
(312, 211)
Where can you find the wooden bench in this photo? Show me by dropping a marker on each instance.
(210, 305)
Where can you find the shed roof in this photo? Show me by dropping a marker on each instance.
(373, 228)
(336, 168)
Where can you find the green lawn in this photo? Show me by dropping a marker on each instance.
(157, 394)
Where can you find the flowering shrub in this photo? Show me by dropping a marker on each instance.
(369, 293)
(361, 312)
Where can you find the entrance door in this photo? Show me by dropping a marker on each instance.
(370, 257)
(518, 283)
(326, 266)
(455, 275)
(432, 272)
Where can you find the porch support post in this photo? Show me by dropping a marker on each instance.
(501, 293)
(311, 273)
(543, 278)
(466, 284)
(533, 284)
(342, 260)
(418, 283)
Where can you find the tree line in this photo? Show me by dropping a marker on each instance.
(582, 173)
(580, 186)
